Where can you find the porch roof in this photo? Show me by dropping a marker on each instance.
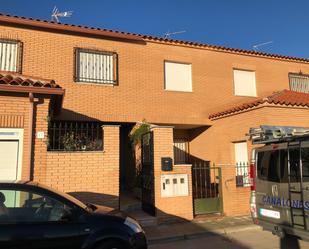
(284, 98)
(18, 83)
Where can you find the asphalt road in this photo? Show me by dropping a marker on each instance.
(253, 239)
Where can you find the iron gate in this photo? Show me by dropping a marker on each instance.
(206, 189)
(148, 195)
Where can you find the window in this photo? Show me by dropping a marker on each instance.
(23, 206)
(242, 169)
(178, 76)
(75, 136)
(299, 82)
(96, 66)
(244, 83)
(181, 151)
(10, 56)
(272, 165)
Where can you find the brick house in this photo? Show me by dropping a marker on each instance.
(70, 96)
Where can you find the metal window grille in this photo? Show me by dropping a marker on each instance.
(299, 82)
(75, 136)
(181, 151)
(242, 174)
(10, 56)
(96, 66)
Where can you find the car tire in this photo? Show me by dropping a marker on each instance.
(111, 244)
(288, 242)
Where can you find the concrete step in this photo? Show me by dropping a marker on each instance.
(144, 219)
(131, 207)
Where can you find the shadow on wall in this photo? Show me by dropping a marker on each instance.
(67, 114)
(109, 201)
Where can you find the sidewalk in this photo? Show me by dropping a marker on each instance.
(206, 226)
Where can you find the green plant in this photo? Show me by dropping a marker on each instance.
(138, 131)
(69, 141)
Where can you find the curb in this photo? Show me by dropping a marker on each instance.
(215, 232)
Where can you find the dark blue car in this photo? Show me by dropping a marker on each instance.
(33, 216)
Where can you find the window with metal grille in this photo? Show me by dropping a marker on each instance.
(95, 66)
(299, 82)
(75, 136)
(181, 151)
(10, 55)
(242, 166)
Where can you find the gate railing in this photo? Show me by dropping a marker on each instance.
(206, 188)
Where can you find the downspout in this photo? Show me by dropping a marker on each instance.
(31, 110)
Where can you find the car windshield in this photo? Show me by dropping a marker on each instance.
(66, 196)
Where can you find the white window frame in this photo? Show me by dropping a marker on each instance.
(237, 85)
(15, 134)
(166, 77)
(106, 76)
(6, 63)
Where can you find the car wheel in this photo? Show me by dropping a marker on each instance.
(111, 244)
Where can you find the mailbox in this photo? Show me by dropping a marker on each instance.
(173, 185)
(166, 164)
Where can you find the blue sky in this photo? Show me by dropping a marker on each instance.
(232, 23)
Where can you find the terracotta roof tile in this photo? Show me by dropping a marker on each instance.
(25, 21)
(12, 79)
(285, 97)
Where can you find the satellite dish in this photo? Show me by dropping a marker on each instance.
(56, 14)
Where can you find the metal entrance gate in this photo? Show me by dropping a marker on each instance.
(148, 195)
(206, 188)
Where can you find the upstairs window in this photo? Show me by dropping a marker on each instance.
(10, 56)
(299, 82)
(178, 76)
(96, 66)
(244, 83)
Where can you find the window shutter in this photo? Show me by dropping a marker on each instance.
(178, 76)
(244, 83)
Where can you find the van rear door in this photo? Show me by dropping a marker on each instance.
(271, 189)
(272, 183)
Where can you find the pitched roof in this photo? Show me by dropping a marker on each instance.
(13, 82)
(78, 29)
(285, 97)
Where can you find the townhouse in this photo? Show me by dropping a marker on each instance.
(71, 95)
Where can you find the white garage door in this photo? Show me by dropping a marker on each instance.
(8, 159)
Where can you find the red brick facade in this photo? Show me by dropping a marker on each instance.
(139, 94)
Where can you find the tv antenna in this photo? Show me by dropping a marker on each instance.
(56, 14)
(168, 34)
(256, 47)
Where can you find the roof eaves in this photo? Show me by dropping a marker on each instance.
(30, 22)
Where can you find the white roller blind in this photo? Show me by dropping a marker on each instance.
(178, 76)
(8, 160)
(8, 56)
(241, 152)
(95, 67)
(244, 83)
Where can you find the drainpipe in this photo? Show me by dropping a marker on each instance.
(31, 109)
